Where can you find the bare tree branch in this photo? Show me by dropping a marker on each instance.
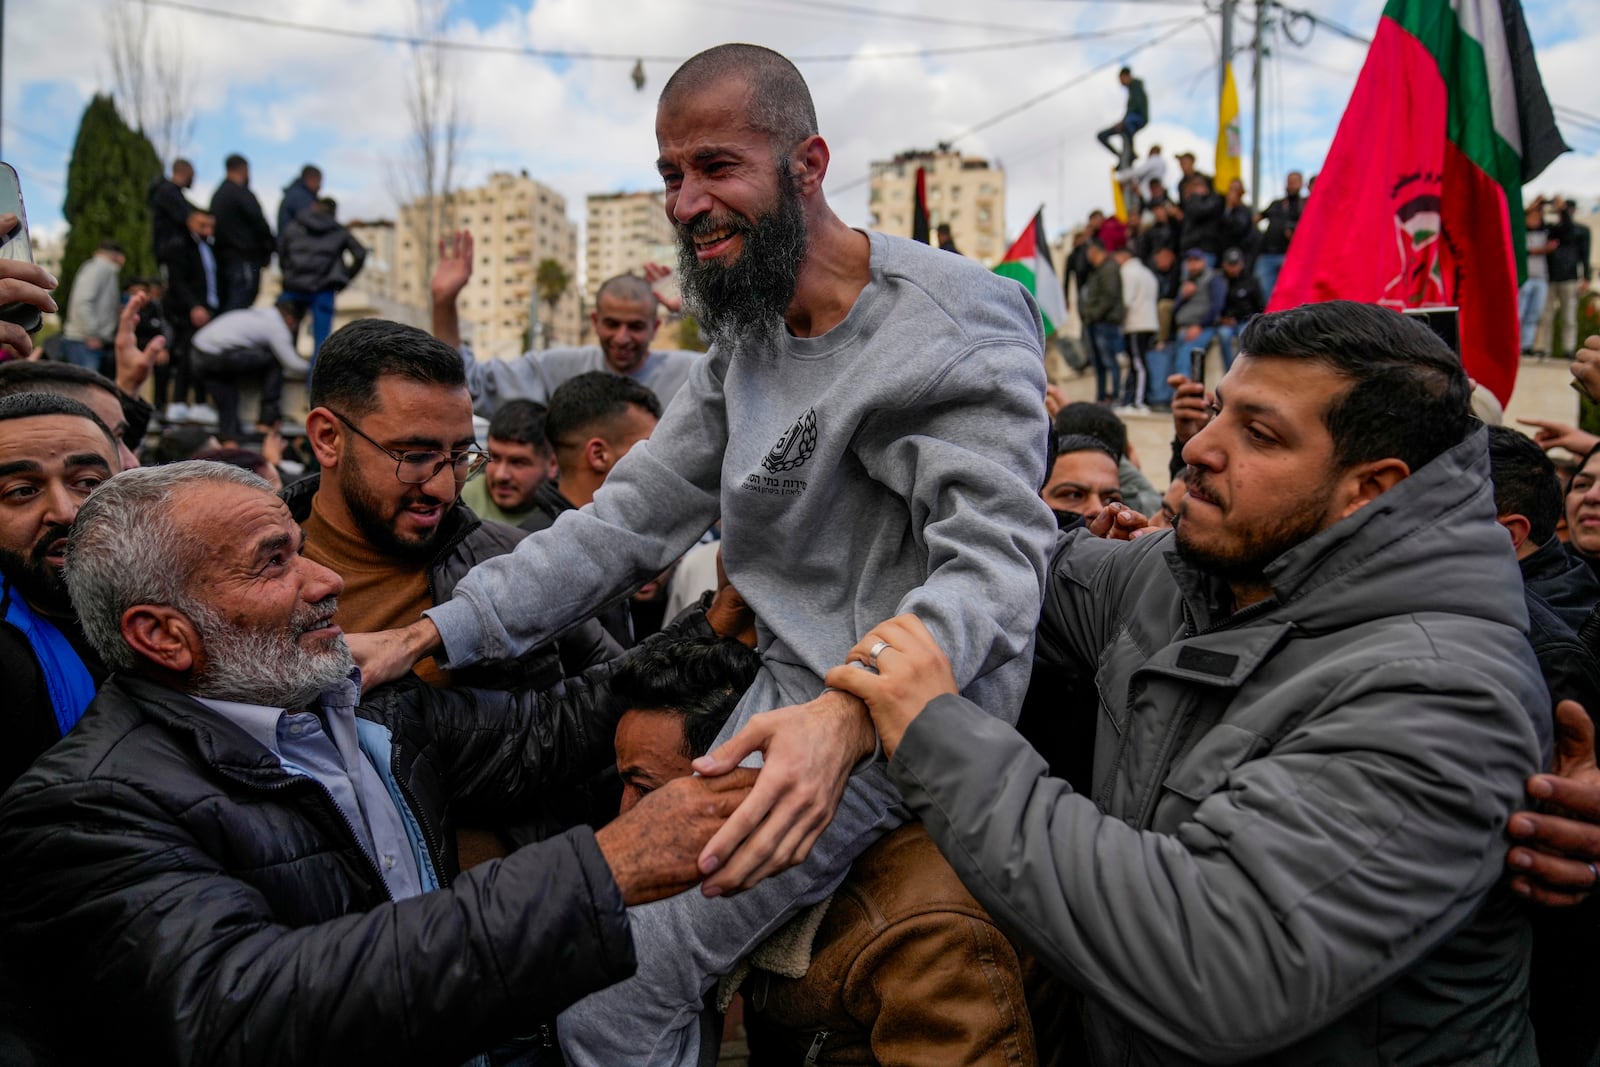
(152, 77)
(426, 176)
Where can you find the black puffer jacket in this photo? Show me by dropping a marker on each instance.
(173, 896)
(313, 256)
(467, 541)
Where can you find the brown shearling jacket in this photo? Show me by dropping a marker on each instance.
(906, 968)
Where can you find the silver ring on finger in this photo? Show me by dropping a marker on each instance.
(875, 651)
(1594, 875)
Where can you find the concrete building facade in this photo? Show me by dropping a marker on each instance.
(377, 276)
(625, 231)
(516, 223)
(966, 192)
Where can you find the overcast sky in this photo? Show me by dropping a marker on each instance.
(284, 97)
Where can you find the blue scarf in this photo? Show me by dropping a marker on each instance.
(68, 680)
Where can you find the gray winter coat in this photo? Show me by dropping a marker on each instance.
(1295, 846)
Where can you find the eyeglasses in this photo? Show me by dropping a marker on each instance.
(417, 468)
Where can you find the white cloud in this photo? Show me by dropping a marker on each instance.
(284, 97)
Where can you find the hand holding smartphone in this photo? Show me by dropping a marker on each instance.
(24, 286)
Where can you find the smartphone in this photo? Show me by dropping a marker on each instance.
(1445, 322)
(16, 246)
(1197, 365)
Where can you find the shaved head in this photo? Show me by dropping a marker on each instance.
(780, 102)
(629, 287)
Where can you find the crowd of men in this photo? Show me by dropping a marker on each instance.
(1186, 271)
(974, 748)
(212, 259)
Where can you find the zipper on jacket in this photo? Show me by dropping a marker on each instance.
(435, 848)
(816, 1046)
(291, 781)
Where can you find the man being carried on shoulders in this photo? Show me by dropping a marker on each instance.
(870, 428)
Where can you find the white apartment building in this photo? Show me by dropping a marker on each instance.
(516, 223)
(966, 192)
(625, 231)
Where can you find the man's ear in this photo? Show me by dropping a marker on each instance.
(1518, 527)
(164, 636)
(324, 432)
(1367, 481)
(597, 455)
(809, 164)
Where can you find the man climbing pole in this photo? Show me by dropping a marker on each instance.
(1134, 119)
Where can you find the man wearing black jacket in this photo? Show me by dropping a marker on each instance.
(1282, 216)
(54, 451)
(320, 257)
(244, 240)
(1568, 262)
(169, 208)
(1201, 212)
(238, 857)
(192, 299)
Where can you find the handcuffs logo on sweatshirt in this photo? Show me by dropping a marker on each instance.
(789, 454)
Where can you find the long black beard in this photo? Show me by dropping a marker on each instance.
(750, 296)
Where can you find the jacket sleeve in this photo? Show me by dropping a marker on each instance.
(972, 485)
(358, 255)
(1306, 878)
(656, 503)
(1076, 621)
(188, 964)
(1219, 299)
(941, 986)
(282, 344)
(503, 746)
(492, 382)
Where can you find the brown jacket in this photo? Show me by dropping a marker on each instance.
(906, 968)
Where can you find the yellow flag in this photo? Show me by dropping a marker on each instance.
(1119, 206)
(1228, 138)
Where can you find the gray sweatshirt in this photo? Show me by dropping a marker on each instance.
(96, 301)
(251, 328)
(663, 372)
(535, 375)
(890, 465)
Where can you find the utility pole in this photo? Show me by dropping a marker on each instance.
(1255, 112)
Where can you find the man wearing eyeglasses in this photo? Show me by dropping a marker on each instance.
(391, 426)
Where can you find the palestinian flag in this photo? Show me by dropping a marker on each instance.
(1420, 201)
(1028, 261)
(919, 208)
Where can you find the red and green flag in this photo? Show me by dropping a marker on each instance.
(1028, 261)
(919, 209)
(1420, 201)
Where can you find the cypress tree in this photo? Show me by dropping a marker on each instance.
(112, 167)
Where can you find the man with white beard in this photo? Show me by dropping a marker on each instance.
(237, 856)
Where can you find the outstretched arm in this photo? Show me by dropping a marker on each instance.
(1267, 913)
(450, 276)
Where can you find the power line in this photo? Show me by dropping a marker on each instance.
(408, 39)
(37, 137)
(906, 16)
(1575, 113)
(621, 57)
(1169, 3)
(1017, 109)
(1114, 61)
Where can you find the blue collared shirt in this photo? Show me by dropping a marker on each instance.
(208, 261)
(322, 744)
